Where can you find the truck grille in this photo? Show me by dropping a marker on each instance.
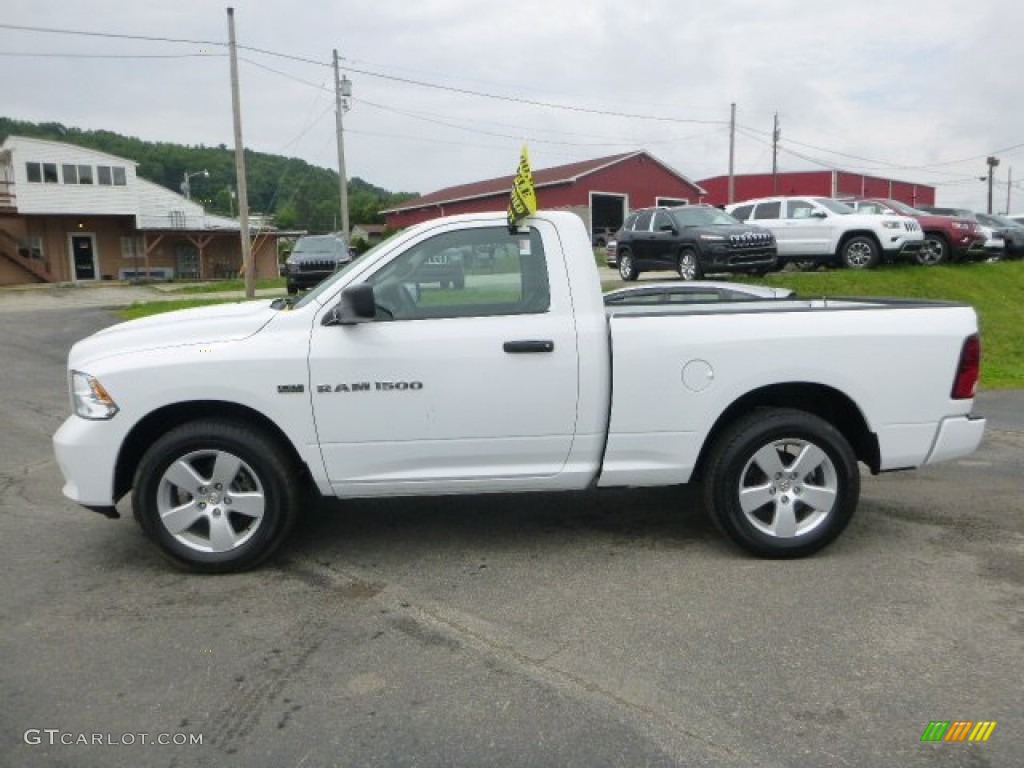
(750, 240)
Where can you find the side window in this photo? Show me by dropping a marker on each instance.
(631, 221)
(768, 210)
(662, 221)
(643, 221)
(799, 209)
(743, 212)
(869, 208)
(469, 273)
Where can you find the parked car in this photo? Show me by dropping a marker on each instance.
(821, 230)
(693, 240)
(695, 292)
(995, 243)
(946, 238)
(313, 258)
(602, 235)
(1018, 217)
(1012, 232)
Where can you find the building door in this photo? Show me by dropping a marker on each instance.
(83, 256)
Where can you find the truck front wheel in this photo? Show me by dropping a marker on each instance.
(216, 496)
(781, 482)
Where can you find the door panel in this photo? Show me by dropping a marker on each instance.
(83, 257)
(437, 402)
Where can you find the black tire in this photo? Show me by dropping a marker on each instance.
(292, 289)
(859, 252)
(935, 250)
(179, 474)
(627, 269)
(688, 265)
(802, 511)
(460, 282)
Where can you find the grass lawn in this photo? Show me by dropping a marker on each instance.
(219, 286)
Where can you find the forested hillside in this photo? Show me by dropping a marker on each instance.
(299, 195)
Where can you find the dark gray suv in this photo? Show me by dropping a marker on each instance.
(313, 258)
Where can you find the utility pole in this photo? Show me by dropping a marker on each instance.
(732, 152)
(992, 163)
(1009, 186)
(776, 134)
(342, 91)
(243, 191)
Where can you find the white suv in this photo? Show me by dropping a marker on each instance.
(820, 230)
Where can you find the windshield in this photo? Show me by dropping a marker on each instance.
(903, 208)
(1003, 221)
(313, 295)
(319, 244)
(834, 205)
(689, 216)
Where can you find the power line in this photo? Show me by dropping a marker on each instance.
(110, 55)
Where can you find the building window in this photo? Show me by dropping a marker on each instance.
(103, 177)
(41, 172)
(119, 176)
(132, 248)
(31, 248)
(70, 173)
(85, 174)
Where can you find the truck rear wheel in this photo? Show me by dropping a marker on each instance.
(781, 482)
(216, 496)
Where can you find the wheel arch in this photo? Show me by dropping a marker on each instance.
(822, 400)
(164, 419)
(847, 236)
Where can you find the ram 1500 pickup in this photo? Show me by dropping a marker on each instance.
(381, 382)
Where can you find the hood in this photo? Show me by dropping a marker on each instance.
(201, 325)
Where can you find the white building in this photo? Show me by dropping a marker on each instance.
(71, 214)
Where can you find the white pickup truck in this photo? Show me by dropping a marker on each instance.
(381, 382)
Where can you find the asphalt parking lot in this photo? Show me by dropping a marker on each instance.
(593, 629)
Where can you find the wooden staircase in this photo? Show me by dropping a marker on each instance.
(11, 251)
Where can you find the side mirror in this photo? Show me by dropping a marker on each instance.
(668, 228)
(819, 215)
(355, 306)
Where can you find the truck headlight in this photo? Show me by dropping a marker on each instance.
(712, 238)
(891, 224)
(89, 399)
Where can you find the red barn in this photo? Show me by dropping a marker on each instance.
(600, 191)
(818, 183)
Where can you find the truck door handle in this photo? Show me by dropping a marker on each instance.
(527, 347)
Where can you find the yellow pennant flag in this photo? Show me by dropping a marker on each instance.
(524, 199)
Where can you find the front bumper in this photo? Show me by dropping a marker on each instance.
(957, 436)
(86, 453)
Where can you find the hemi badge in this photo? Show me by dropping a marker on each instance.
(290, 389)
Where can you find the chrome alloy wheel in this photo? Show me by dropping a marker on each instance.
(788, 488)
(859, 254)
(687, 267)
(210, 501)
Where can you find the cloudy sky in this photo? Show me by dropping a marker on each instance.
(446, 91)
